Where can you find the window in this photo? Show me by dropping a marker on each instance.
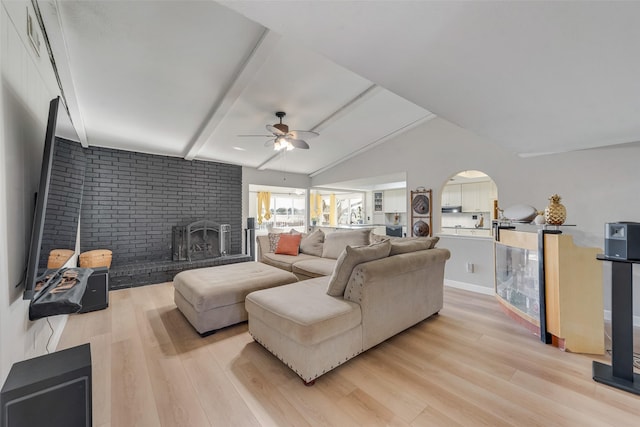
(277, 207)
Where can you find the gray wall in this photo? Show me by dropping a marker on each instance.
(131, 201)
(26, 87)
(597, 186)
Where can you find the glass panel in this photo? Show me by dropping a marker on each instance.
(350, 208)
(517, 278)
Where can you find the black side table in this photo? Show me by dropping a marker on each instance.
(620, 374)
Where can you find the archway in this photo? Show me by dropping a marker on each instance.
(469, 203)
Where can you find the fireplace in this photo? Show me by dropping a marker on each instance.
(199, 240)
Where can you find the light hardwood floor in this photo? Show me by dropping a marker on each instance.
(468, 366)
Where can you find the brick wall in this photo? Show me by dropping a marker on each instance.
(65, 195)
(131, 201)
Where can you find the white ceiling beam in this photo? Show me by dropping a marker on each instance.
(351, 105)
(236, 86)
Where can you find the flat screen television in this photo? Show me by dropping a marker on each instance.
(59, 196)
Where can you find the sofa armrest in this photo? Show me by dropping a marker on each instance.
(262, 246)
(397, 292)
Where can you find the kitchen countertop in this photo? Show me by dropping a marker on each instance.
(466, 236)
(468, 228)
(355, 226)
(481, 232)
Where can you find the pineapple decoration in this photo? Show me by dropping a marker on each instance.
(555, 213)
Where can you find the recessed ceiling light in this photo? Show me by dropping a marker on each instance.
(239, 148)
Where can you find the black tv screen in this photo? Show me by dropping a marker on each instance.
(59, 196)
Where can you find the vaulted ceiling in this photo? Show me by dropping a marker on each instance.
(187, 78)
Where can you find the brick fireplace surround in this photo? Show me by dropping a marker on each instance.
(131, 201)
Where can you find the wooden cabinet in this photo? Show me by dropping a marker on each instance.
(451, 195)
(573, 300)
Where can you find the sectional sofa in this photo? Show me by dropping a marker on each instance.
(351, 297)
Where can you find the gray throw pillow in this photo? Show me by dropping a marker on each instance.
(312, 244)
(334, 243)
(274, 238)
(347, 261)
(377, 238)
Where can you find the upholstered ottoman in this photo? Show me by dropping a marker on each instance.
(212, 298)
(310, 331)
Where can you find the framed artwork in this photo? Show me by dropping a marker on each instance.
(421, 225)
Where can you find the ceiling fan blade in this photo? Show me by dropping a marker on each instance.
(302, 134)
(298, 143)
(270, 142)
(274, 130)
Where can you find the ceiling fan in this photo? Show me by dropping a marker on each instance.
(284, 139)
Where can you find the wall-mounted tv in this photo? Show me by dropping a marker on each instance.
(59, 196)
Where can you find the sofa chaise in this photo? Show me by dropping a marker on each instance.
(372, 293)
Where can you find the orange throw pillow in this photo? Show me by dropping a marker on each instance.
(289, 244)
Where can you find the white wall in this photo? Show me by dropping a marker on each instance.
(597, 186)
(28, 84)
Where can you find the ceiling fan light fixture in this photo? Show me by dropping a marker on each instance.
(283, 139)
(281, 143)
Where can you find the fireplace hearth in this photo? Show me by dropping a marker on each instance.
(202, 239)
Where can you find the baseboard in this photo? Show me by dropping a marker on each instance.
(607, 316)
(469, 287)
(490, 291)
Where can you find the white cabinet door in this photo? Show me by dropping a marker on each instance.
(476, 197)
(471, 197)
(451, 195)
(395, 201)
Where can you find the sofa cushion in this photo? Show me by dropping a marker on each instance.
(349, 259)
(316, 267)
(377, 238)
(288, 244)
(434, 240)
(309, 315)
(334, 243)
(402, 246)
(312, 244)
(284, 262)
(211, 287)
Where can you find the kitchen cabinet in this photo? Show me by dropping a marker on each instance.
(476, 197)
(473, 196)
(377, 201)
(452, 195)
(473, 232)
(395, 201)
